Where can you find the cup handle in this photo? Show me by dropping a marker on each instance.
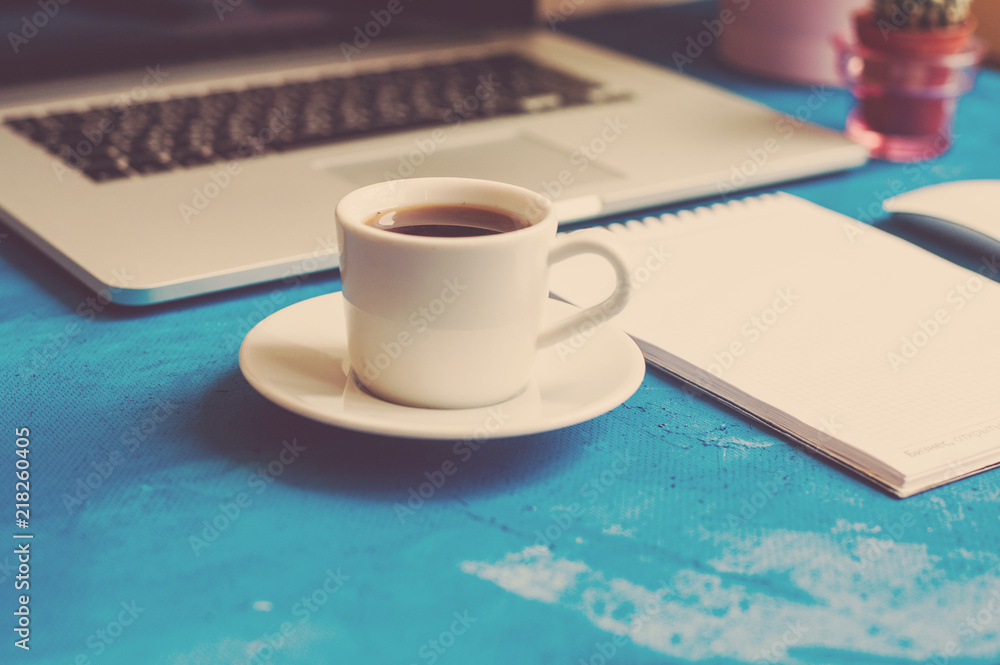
(581, 242)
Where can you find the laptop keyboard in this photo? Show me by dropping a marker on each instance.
(113, 142)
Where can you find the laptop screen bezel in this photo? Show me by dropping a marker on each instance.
(86, 37)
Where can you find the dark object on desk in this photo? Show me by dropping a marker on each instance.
(963, 212)
(908, 70)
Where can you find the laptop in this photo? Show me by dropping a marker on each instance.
(163, 149)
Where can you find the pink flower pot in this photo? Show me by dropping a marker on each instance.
(907, 83)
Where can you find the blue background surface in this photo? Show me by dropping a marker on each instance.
(670, 530)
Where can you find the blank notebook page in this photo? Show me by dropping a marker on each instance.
(828, 328)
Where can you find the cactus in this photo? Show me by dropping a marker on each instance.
(922, 14)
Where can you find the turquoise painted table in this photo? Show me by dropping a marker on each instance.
(180, 518)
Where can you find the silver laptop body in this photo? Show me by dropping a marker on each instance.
(650, 137)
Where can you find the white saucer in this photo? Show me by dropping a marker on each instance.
(297, 358)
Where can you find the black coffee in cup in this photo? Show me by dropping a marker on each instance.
(447, 221)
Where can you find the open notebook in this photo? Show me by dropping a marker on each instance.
(870, 350)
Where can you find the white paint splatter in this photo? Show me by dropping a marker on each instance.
(736, 443)
(733, 441)
(618, 530)
(531, 573)
(947, 517)
(636, 506)
(843, 526)
(767, 595)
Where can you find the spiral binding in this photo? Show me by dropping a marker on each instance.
(682, 220)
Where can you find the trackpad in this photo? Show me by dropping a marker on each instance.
(519, 160)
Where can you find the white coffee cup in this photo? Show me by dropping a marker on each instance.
(448, 322)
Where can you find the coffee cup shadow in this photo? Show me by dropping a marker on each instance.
(253, 432)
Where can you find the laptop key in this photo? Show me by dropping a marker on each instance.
(189, 157)
(104, 167)
(26, 127)
(147, 164)
(104, 174)
(187, 132)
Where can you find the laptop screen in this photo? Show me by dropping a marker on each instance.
(48, 39)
